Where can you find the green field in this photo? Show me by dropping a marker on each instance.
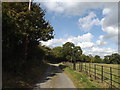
(90, 69)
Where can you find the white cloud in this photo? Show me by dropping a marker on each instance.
(86, 23)
(73, 7)
(102, 50)
(76, 40)
(110, 24)
(110, 10)
(100, 43)
(86, 44)
(106, 11)
(54, 6)
(99, 51)
(111, 34)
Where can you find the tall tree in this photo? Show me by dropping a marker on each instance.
(77, 51)
(18, 22)
(83, 58)
(107, 59)
(91, 58)
(76, 54)
(97, 59)
(72, 52)
(115, 58)
(57, 52)
(68, 50)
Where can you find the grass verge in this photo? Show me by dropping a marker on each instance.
(79, 79)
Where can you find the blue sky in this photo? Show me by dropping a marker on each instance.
(94, 27)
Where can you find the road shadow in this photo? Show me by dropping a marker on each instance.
(62, 67)
(52, 71)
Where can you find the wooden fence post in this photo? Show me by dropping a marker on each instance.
(95, 71)
(111, 77)
(81, 66)
(74, 66)
(102, 73)
(77, 66)
(71, 64)
(85, 66)
(89, 68)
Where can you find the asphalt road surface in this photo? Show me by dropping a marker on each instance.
(54, 78)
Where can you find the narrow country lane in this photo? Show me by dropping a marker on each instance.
(54, 78)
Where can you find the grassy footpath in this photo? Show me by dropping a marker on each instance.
(80, 80)
(26, 80)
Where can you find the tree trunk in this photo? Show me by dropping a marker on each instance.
(74, 65)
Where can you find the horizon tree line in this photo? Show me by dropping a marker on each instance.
(70, 52)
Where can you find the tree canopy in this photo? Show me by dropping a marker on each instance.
(114, 58)
(23, 28)
(18, 22)
(71, 52)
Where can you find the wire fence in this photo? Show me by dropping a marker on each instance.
(109, 75)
